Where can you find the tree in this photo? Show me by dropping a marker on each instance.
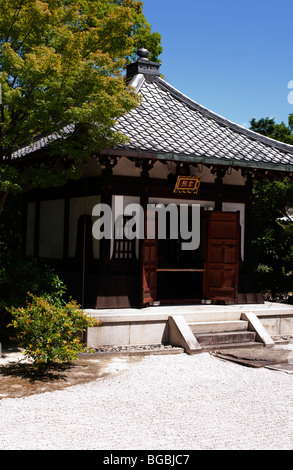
(273, 217)
(61, 73)
(267, 126)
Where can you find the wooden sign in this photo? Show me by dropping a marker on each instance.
(187, 185)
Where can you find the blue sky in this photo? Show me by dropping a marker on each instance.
(234, 57)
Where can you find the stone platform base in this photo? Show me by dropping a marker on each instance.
(151, 325)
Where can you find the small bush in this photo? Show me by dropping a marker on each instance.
(21, 275)
(48, 332)
(275, 284)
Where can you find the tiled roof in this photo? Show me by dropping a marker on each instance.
(175, 127)
(42, 142)
(171, 126)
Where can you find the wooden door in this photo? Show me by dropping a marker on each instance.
(149, 258)
(222, 258)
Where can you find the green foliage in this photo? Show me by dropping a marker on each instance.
(11, 226)
(50, 333)
(8, 179)
(273, 221)
(274, 282)
(21, 275)
(268, 126)
(63, 62)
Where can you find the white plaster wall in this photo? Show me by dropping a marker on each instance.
(125, 167)
(204, 173)
(234, 177)
(77, 207)
(161, 170)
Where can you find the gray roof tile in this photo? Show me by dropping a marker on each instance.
(181, 126)
(173, 126)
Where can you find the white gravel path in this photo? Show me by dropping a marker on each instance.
(174, 402)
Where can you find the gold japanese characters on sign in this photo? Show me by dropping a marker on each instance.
(187, 185)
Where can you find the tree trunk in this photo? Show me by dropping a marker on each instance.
(3, 196)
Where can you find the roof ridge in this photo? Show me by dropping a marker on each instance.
(137, 81)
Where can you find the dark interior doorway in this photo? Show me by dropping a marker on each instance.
(180, 272)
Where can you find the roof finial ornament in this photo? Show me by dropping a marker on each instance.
(143, 54)
(143, 66)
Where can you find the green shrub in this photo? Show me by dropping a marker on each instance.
(274, 283)
(49, 332)
(21, 275)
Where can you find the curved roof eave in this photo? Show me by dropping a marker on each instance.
(225, 122)
(268, 153)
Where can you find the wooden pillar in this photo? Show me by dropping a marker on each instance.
(220, 173)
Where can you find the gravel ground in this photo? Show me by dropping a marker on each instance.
(168, 402)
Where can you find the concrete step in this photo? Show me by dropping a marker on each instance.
(247, 344)
(218, 326)
(225, 337)
(200, 336)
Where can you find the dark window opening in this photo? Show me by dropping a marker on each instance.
(124, 247)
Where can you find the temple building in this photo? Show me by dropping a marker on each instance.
(178, 153)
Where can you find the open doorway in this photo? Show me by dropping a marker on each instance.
(172, 275)
(179, 271)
